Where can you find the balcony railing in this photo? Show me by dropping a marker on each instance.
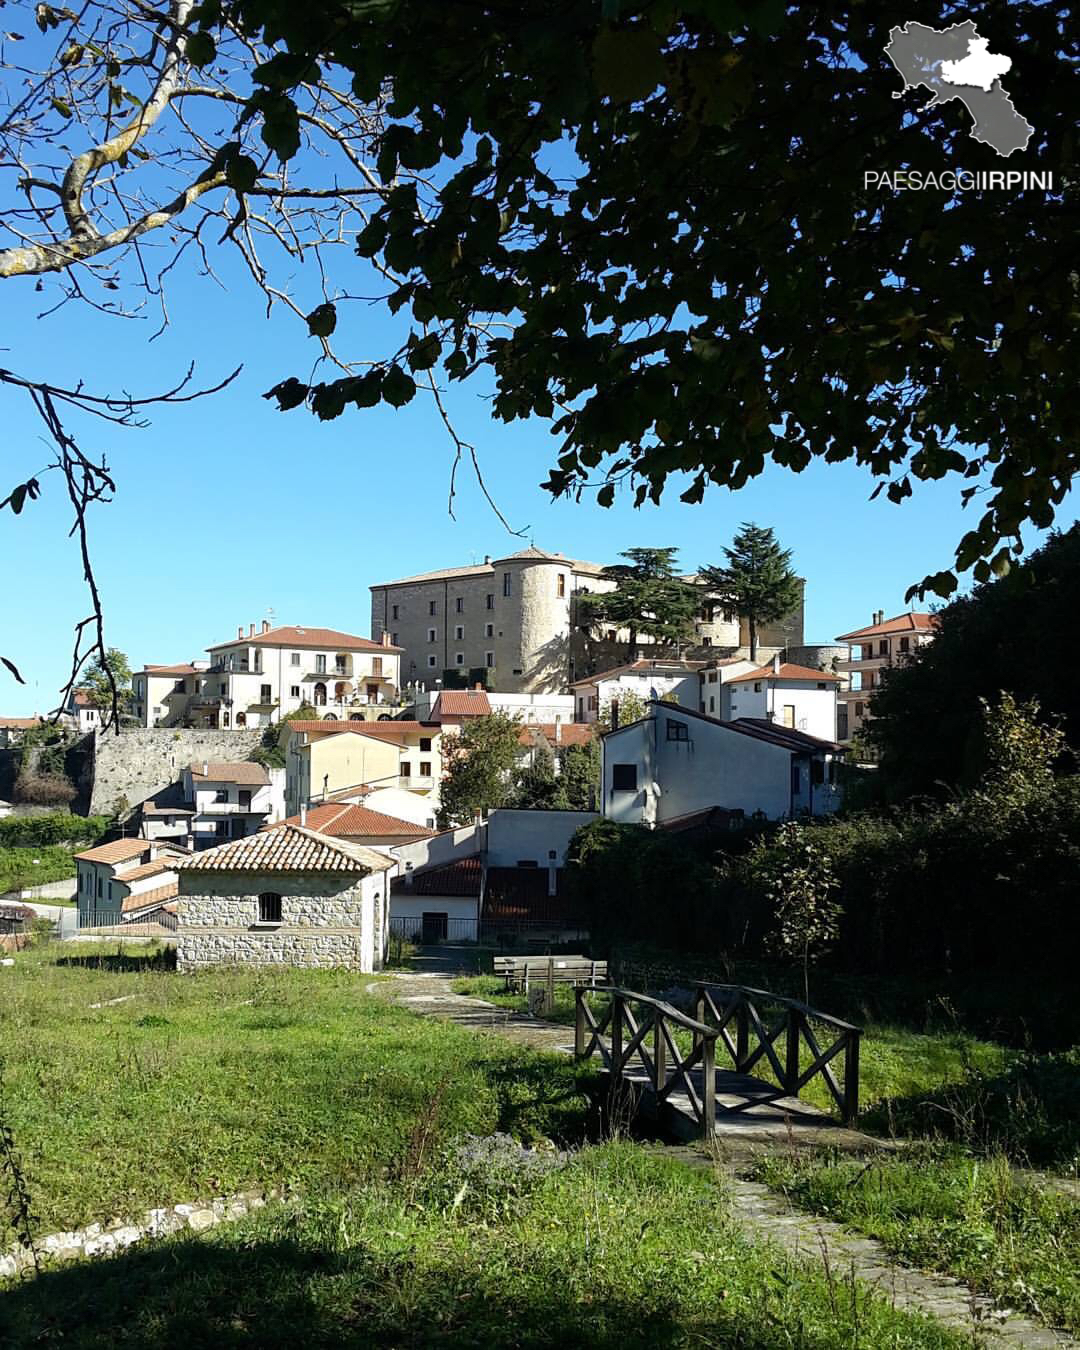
(232, 809)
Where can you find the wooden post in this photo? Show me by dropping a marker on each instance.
(699, 1013)
(742, 1034)
(579, 1024)
(851, 1078)
(549, 998)
(616, 1033)
(659, 1053)
(791, 1067)
(708, 1087)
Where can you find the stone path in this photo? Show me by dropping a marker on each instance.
(764, 1213)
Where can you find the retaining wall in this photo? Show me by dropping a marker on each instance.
(142, 761)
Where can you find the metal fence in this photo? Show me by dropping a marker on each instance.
(436, 929)
(116, 918)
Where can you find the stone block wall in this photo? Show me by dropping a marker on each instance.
(142, 761)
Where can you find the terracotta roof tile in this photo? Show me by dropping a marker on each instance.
(391, 730)
(567, 733)
(150, 869)
(294, 636)
(902, 623)
(786, 737)
(462, 703)
(187, 669)
(19, 723)
(120, 850)
(287, 849)
(787, 671)
(148, 899)
(340, 820)
(463, 876)
(245, 772)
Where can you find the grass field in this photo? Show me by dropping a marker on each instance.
(202, 1085)
(619, 1250)
(939, 1208)
(24, 867)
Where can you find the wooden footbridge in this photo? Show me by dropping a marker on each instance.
(733, 1067)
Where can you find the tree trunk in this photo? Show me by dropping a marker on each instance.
(751, 623)
(631, 643)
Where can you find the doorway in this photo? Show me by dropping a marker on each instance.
(433, 927)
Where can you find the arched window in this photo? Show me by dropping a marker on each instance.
(356, 717)
(330, 717)
(241, 719)
(319, 695)
(269, 907)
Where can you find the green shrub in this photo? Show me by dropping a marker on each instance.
(56, 828)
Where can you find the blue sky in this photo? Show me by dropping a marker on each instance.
(226, 509)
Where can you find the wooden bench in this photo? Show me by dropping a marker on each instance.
(521, 971)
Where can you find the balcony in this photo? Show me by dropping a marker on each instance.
(232, 809)
(211, 701)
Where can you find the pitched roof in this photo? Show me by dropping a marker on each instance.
(186, 669)
(708, 818)
(120, 850)
(654, 666)
(342, 819)
(149, 869)
(19, 723)
(521, 894)
(787, 671)
(149, 898)
(463, 876)
(480, 569)
(902, 623)
(287, 849)
(293, 636)
(80, 698)
(389, 730)
(170, 801)
(246, 772)
(785, 737)
(462, 703)
(567, 733)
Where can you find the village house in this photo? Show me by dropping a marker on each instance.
(323, 759)
(229, 801)
(125, 881)
(674, 762)
(452, 707)
(286, 897)
(789, 695)
(872, 650)
(644, 679)
(357, 824)
(161, 696)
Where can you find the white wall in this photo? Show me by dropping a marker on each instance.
(815, 709)
(440, 848)
(515, 835)
(685, 687)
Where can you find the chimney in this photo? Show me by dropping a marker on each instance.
(251, 630)
(478, 688)
(266, 625)
(487, 559)
(385, 638)
(553, 873)
(206, 768)
(776, 664)
(303, 814)
(614, 714)
(558, 732)
(239, 632)
(408, 876)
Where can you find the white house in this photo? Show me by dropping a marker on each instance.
(675, 761)
(127, 878)
(792, 696)
(643, 678)
(161, 696)
(451, 706)
(229, 801)
(872, 650)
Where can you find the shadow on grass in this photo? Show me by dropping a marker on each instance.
(1028, 1112)
(282, 1294)
(120, 962)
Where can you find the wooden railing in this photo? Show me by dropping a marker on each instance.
(728, 1008)
(632, 1019)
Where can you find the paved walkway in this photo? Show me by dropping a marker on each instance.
(765, 1214)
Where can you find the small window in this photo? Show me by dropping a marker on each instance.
(706, 641)
(624, 777)
(294, 691)
(712, 676)
(905, 644)
(431, 634)
(517, 670)
(425, 744)
(406, 768)
(489, 630)
(431, 662)
(459, 659)
(527, 862)
(425, 768)
(677, 731)
(757, 686)
(560, 585)
(431, 607)
(376, 665)
(393, 639)
(394, 611)
(822, 685)
(796, 778)
(489, 660)
(817, 772)
(320, 664)
(593, 702)
(506, 583)
(491, 602)
(178, 687)
(294, 658)
(269, 907)
(858, 709)
(712, 703)
(459, 631)
(459, 605)
(221, 795)
(264, 692)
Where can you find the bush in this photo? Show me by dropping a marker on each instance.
(44, 789)
(56, 828)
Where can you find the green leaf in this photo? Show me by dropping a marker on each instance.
(64, 109)
(397, 387)
(627, 64)
(201, 49)
(322, 320)
(241, 173)
(424, 353)
(289, 393)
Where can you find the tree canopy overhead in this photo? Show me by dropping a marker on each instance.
(661, 206)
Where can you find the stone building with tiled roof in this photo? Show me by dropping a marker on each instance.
(284, 897)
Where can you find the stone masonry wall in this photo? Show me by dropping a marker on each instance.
(321, 922)
(142, 761)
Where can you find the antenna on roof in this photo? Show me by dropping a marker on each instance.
(270, 615)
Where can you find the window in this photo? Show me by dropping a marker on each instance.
(178, 687)
(506, 583)
(905, 644)
(376, 665)
(489, 630)
(823, 686)
(757, 686)
(624, 778)
(712, 703)
(491, 602)
(431, 661)
(425, 744)
(706, 641)
(712, 676)
(264, 693)
(221, 795)
(517, 671)
(593, 702)
(221, 828)
(581, 705)
(459, 605)
(858, 709)
(796, 779)
(677, 731)
(489, 660)
(425, 768)
(560, 585)
(432, 634)
(817, 772)
(431, 607)
(459, 631)
(393, 611)
(527, 862)
(393, 640)
(269, 907)
(294, 658)
(459, 659)
(406, 769)
(294, 691)
(320, 664)
(883, 647)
